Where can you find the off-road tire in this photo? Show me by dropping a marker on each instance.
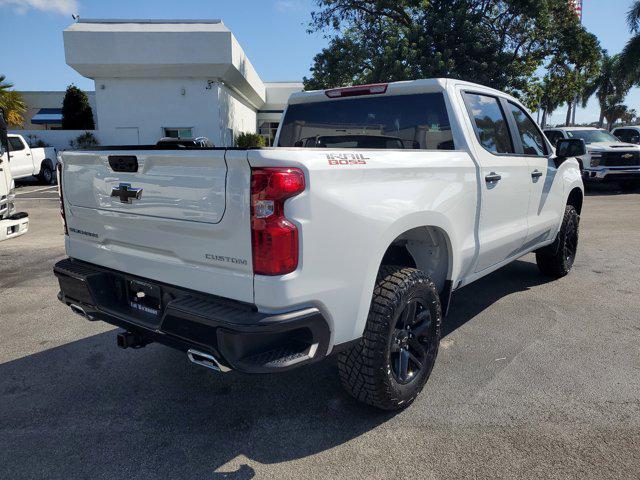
(365, 369)
(556, 260)
(46, 174)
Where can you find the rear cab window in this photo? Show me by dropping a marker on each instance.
(413, 121)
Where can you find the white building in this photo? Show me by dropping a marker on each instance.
(182, 78)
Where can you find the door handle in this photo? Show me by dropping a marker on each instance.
(492, 177)
(28, 154)
(536, 173)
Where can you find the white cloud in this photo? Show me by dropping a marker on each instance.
(287, 5)
(64, 7)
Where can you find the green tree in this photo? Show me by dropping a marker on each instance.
(499, 43)
(610, 86)
(630, 57)
(616, 112)
(76, 111)
(574, 60)
(11, 103)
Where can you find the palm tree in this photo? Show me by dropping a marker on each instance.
(630, 56)
(618, 112)
(11, 103)
(610, 86)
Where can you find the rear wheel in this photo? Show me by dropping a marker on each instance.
(557, 259)
(46, 174)
(393, 360)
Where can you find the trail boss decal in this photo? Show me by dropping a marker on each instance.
(347, 159)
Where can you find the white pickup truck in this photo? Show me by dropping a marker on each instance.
(27, 161)
(266, 259)
(607, 159)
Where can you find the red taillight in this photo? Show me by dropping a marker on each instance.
(274, 238)
(373, 89)
(61, 197)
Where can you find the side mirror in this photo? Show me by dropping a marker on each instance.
(570, 147)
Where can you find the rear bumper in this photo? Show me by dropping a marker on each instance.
(611, 174)
(236, 334)
(14, 226)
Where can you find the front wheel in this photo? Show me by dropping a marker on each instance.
(557, 259)
(393, 360)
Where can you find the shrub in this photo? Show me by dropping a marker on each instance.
(35, 142)
(84, 140)
(250, 140)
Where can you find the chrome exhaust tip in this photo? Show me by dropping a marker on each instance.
(206, 360)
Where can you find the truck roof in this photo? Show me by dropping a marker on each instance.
(392, 88)
(563, 129)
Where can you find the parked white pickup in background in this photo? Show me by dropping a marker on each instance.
(27, 161)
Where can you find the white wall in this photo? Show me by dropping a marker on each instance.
(149, 104)
(234, 115)
(56, 138)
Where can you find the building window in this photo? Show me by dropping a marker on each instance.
(268, 131)
(178, 132)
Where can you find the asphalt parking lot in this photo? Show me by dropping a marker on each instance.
(535, 379)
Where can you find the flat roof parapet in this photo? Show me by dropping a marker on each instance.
(146, 20)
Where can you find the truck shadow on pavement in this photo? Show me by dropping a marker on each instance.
(87, 409)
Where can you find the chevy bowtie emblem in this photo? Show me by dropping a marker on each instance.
(628, 155)
(126, 193)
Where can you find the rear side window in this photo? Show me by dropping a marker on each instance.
(532, 140)
(490, 123)
(417, 121)
(15, 145)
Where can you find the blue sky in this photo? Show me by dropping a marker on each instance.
(272, 32)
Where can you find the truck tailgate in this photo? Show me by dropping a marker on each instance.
(180, 217)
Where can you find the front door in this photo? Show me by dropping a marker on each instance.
(547, 191)
(21, 162)
(505, 182)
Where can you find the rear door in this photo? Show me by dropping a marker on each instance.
(547, 190)
(179, 217)
(505, 181)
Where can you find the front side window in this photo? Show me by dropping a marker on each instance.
(418, 121)
(15, 145)
(490, 123)
(532, 139)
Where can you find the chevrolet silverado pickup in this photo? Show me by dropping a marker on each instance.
(607, 159)
(263, 260)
